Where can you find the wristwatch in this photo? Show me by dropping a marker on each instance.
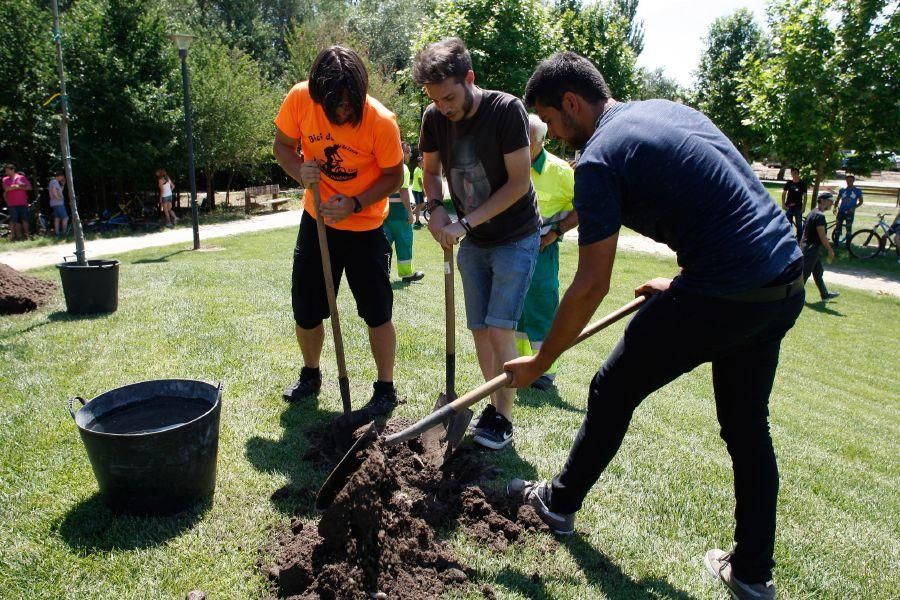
(356, 205)
(557, 229)
(434, 203)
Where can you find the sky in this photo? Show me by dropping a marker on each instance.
(674, 31)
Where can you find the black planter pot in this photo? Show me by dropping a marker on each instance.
(153, 444)
(91, 288)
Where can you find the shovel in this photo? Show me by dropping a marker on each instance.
(343, 382)
(357, 452)
(456, 423)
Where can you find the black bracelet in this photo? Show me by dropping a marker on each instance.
(465, 223)
(433, 204)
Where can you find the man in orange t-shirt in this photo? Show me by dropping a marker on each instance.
(351, 147)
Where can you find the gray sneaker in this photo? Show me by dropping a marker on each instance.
(537, 495)
(718, 563)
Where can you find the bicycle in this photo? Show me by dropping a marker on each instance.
(868, 243)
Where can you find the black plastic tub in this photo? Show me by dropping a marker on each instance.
(153, 444)
(91, 288)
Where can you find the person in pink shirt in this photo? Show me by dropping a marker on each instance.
(15, 193)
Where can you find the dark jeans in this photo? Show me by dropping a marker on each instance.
(812, 264)
(794, 216)
(672, 334)
(844, 218)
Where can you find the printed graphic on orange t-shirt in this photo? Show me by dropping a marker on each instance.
(351, 158)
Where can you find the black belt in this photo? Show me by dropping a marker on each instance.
(769, 294)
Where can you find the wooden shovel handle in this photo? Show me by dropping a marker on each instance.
(500, 381)
(332, 300)
(450, 322)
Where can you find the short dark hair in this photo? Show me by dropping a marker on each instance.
(440, 60)
(565, 72)
(9, 166)
(337, 70)
(58, 173)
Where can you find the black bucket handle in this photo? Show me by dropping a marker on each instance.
(72, 403)
(67, 257)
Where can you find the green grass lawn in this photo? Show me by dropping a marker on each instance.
(665, 499)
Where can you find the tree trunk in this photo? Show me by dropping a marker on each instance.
(228, 188)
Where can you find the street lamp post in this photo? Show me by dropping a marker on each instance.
(183, 42)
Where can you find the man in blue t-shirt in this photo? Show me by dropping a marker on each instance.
(665, 171)
(849, 199)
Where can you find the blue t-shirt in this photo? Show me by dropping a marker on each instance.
(667, 172)
(847, 199)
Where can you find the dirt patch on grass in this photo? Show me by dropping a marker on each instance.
(20, 293)
(381, 536)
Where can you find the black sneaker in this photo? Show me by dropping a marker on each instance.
(486, 416)
(718, 564)
(308, 384)
(831, 295)
(497, 434)
(414, 277)
(537, 494)
(384, 400)
(543, 383)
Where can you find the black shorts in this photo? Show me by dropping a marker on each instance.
(364, 255)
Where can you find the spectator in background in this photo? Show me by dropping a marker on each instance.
(15, 192)
(849, 199)
(418, 191)
(814, 241)
(398, 225)
(58, 203)
(554, 183)
(166, 188)
(793, 201)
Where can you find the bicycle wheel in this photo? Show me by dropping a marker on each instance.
(865, 244)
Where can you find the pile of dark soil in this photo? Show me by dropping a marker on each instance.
(379, 538)
(20, 293)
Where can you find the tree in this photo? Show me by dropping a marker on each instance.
(828, 83)
(732, 41)
(606, 34)
(233, 107)
(125, 93)
(655, 84)
(506, 38)
(28, 136)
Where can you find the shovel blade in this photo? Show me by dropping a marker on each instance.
(345, 469)
(456, 429)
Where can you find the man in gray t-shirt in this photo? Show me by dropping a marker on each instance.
(479, 139)
(58, 203)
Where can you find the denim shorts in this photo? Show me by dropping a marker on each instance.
(167, 199)
(18, 214)
(59, 211)
(496, 279)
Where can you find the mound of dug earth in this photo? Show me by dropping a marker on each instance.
(378, 539)
(20, 293)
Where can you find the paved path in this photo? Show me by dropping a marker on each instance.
(33, 258)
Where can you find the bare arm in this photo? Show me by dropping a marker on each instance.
(405, 199)
(285, 151)
(783, 198)
(588, 289)
(434, 190)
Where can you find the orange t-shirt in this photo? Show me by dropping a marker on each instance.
(352, 157)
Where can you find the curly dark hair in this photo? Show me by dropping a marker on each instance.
(440, 60)
(337, 70)
(565, 72)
